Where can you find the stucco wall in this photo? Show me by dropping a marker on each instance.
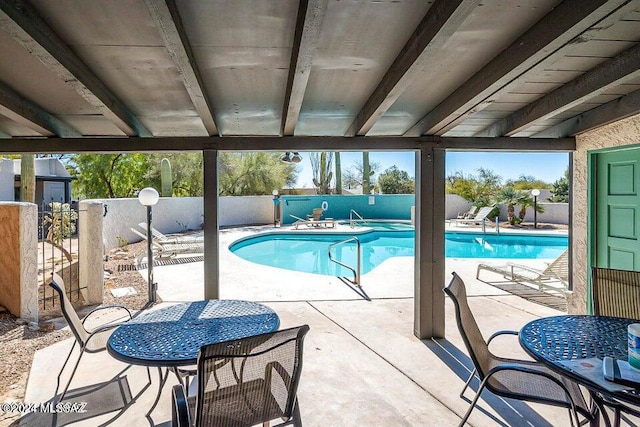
(19, 260)
(176, 214)
(624, 132)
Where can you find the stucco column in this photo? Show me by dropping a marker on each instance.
(19, 260)
(91, 251)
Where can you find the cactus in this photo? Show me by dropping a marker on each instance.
(165, 178)
(28, 178)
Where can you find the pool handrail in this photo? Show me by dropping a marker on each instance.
(353, 221)
(356, 271)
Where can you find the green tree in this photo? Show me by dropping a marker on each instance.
(527, 182)
(480, 189)
(321, 166)
(525, 203)
(560, 189)
(255, 173)
(511, 197)
(396, 181)
(109, 175)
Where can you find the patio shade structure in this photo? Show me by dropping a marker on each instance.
(317, 75)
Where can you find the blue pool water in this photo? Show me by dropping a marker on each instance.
(308, 252)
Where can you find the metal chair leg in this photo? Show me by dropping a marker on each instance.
(297, 419)
(63, 366)
(72, 374)
(473, 403)
(473, 374)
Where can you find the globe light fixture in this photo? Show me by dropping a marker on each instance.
(296, 157)
(149, 197)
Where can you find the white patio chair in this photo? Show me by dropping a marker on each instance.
(89, 339)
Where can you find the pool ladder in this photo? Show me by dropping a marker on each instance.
(355, 271)
(352, 221)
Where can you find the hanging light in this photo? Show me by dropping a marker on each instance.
(285, 158)
(296, 158)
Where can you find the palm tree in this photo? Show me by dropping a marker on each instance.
(527, 201)
(512, 197)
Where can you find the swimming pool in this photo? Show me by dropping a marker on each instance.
(308, 252)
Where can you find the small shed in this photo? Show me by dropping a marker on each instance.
(53, 181)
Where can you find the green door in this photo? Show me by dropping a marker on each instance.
(618, 210)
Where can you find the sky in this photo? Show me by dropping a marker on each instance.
(545, 166)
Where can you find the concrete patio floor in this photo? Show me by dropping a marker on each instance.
(362, 364)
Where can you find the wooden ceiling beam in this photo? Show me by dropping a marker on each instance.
(443, 18)
(23, 24)
(305, 41)
(557, 28)
(167, 18)
(21, 110)
(618, 109)
(290, 143)
(618, 70)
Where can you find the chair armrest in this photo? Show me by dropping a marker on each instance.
(180, 415)
(547, 274)
(525, 369)
(105, 307)
(497, 334)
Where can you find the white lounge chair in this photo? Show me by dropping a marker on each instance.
(166, 239)
(164, 249)
(554, 277)
(311, 222)
(479, 219)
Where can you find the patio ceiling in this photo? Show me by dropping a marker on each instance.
(464, 73)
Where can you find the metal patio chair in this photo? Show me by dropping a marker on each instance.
(511, 378)
(245, 382)
(90, 339)
(616, 293)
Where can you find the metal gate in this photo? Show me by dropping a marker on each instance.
(58, 250)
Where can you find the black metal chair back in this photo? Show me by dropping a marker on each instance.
(251, 380)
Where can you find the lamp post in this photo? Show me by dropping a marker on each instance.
(276, 202)
(535, 193)
(149, 197)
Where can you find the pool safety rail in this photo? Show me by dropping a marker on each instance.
(352, 220)
(356, 271)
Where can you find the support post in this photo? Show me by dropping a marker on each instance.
(19, 260)
(91, 251)
(211, 217)
(429, 254)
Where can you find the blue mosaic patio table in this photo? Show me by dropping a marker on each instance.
(172, 336)
(551, 340)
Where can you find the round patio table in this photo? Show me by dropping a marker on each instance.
(551, 340)
(171, 337)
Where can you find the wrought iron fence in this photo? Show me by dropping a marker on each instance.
(58, 250)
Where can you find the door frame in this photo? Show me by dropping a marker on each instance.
(592, 161)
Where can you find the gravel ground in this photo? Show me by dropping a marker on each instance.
(18, 342)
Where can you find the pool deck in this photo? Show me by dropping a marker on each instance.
(362, 363)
